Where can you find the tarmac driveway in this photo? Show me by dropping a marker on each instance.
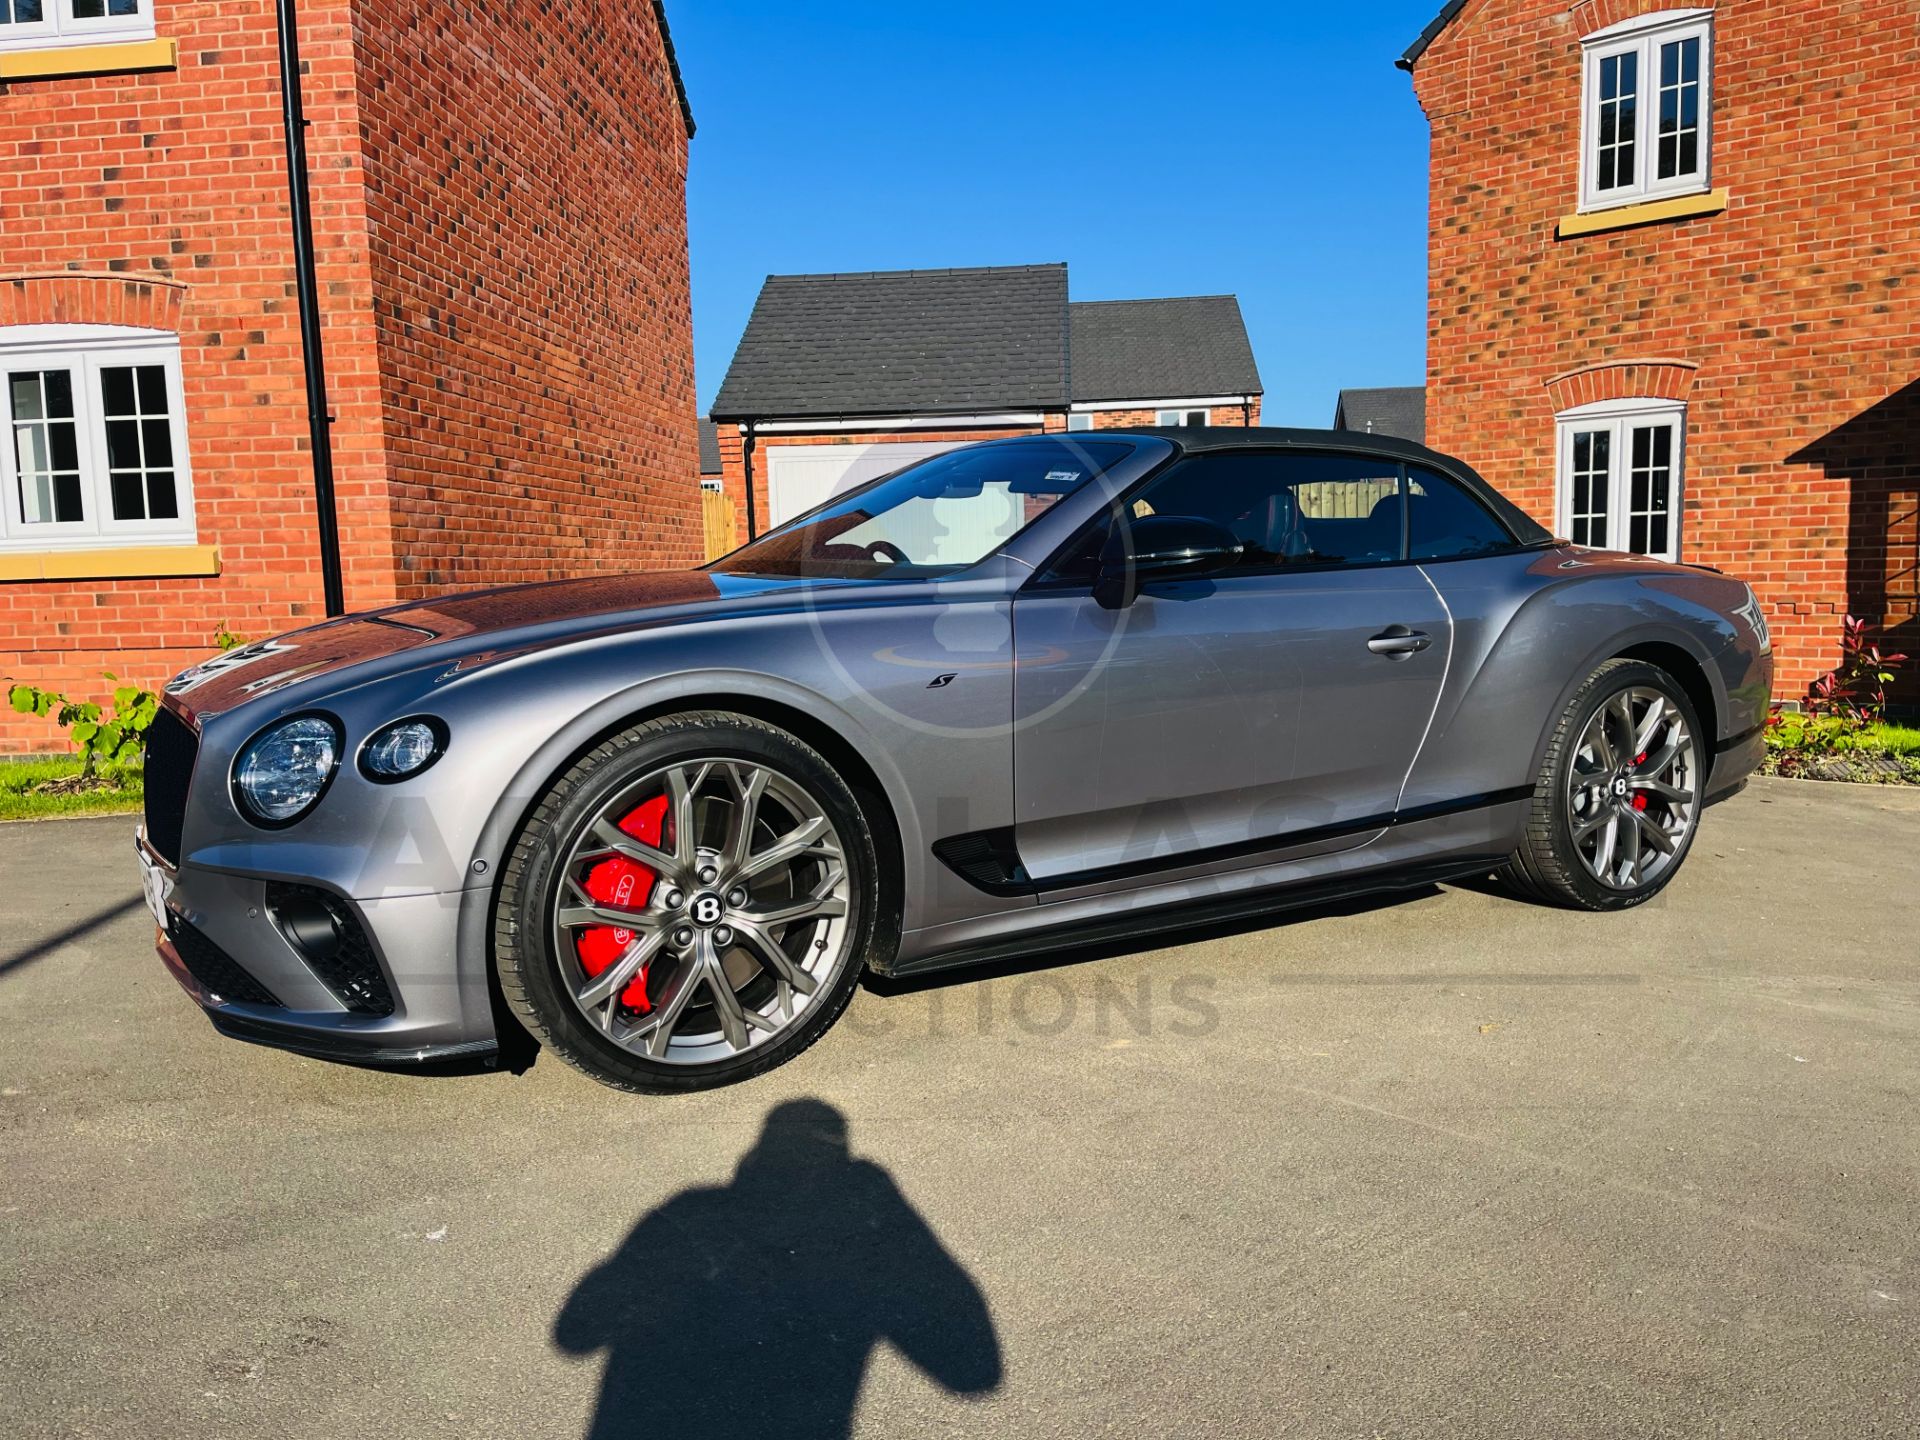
(1451, 1165)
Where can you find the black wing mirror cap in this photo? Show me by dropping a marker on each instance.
(1161, 547)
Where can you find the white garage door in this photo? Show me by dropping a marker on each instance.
(800, 477)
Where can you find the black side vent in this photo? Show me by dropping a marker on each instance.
(172, 747)
(217, 971)
(324, 931)
(987, 860)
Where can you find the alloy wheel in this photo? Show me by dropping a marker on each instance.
(1633, 789)
(701, 910)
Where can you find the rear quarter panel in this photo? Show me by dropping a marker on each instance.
(1530, 628)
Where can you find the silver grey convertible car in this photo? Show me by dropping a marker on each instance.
(1023, 694)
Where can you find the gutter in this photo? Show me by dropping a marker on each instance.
(306, 284)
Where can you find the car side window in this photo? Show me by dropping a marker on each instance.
(1445, 522)
(1286, 508)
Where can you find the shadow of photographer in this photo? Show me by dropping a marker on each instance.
(752, 1308)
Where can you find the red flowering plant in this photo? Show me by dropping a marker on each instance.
(1840, 704)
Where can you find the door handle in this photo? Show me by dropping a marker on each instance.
(1397, 642)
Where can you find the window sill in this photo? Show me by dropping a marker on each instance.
(122, 563)
(98, 59)
(1681, 207)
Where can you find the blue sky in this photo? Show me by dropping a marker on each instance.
(1269, 151)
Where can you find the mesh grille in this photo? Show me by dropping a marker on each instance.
(171, 750)
(217, 971)
(346, 965)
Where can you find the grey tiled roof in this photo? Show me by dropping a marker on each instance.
(1183, 347)
(902, 342)
(1396, 410)
(709, 448)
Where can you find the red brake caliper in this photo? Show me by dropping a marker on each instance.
(627, 884)
(1640, 796)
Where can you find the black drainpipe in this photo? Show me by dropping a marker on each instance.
(1246, 412)
(318, 418)
(746, 455)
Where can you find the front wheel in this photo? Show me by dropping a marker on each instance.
(1617, 799)
(689, 905)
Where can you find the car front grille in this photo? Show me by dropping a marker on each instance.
(172, 747)
(216, 971)
(326, 933)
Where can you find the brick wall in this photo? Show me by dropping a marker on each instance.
(1218, 415)
(526, 188)
(1793, 314)
(500, 226)
(117, 190)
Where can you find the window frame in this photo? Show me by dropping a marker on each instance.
(1050, 578)
(84, 351)
(1643, 37)
(1179, 414)
(1620, 418)
(59, 27)
(1079, 422)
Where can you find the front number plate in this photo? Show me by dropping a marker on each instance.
(153, 880)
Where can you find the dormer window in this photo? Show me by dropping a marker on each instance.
(1647, 109)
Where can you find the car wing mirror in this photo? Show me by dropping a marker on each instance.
(1161, 547)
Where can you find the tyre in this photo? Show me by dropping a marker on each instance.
(690, 904)
(1617, 799)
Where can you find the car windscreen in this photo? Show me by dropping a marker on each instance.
(934, 518)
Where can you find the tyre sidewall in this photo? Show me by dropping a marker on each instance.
(594, 782)
(1634, 675)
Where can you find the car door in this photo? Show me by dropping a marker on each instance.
(1272, 707)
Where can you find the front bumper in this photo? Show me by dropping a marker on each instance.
(220, 940)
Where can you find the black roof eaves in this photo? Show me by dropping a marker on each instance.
(1025, 405)
(1236, 392)
(1430, 34)
(673, 65)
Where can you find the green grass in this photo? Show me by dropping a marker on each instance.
(18, 800)
(1884, 739)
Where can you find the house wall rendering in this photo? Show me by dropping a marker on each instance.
(1734, 318)
(502, 272)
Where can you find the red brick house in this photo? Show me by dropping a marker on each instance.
(1674, 256)
(840, 378)
(499, 261)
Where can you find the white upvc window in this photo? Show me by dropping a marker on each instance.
(1647, 109)
(93, 445)
(1182, 417)
(32, 24)
(1080, 420)
(1620, 476)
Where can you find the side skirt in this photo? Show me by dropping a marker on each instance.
(1110, 928)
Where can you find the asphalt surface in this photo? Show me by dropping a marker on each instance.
(1451, 1165)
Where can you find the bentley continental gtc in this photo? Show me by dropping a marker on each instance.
(1023, 694)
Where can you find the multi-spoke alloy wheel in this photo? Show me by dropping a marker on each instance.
(1617, 799)
(1633, 789)
(701, 893)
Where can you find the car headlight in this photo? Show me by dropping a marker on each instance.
(283, 771)
(406, 747)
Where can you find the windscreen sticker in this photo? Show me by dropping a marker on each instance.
(1063, 477)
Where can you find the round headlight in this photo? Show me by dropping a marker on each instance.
(286, 768)
(403, 748)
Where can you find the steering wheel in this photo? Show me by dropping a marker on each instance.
(888, 551)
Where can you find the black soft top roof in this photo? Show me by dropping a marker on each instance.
(1198, 439)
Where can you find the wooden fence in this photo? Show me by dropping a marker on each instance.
(716, 514)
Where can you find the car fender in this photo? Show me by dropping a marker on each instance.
(1525, 642)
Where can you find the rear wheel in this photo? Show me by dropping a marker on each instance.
(689, 905)
(1617, 799)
